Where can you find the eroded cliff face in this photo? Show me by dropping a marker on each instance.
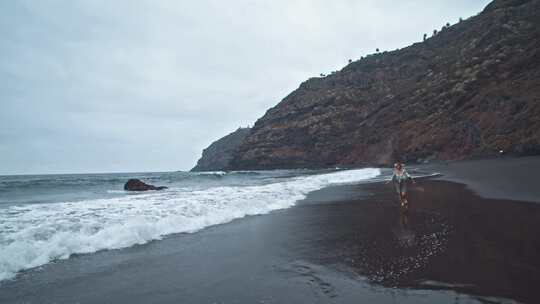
(219, 154)
(470, 90)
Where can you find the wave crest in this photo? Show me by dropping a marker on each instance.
(33, 235)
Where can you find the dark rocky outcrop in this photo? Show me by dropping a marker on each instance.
(219, 154)
(138, 185)
(470, 90)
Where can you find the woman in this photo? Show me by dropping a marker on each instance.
(400, 178)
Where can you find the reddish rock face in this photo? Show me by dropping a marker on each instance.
(473, 89)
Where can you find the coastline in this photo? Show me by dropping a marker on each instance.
(341, 244)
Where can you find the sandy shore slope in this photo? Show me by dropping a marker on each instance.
(346, 244)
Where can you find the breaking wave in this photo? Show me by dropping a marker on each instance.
(35, 234)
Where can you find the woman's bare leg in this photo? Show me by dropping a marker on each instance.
(404, 201)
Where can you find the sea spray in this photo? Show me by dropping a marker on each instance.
(35, 234)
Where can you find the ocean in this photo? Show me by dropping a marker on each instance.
(44, 218)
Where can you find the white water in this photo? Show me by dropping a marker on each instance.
(35, 234)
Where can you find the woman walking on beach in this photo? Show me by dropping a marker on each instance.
(400, 178)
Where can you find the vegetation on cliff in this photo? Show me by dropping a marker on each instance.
(472, 89)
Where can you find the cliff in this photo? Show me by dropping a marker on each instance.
(472, 89)
(218, 155)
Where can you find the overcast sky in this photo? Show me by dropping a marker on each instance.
(123, 86)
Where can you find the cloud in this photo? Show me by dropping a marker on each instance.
(99, 86)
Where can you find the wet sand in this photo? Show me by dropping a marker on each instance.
(503, 177)
(449, 239)
(346, 244)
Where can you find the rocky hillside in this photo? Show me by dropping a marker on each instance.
(471, 89)
(218, 155)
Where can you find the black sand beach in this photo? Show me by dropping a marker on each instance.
(467, 238)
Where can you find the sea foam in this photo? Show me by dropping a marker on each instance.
(35, 234)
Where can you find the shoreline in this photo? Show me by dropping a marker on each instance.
(341, 244)
(503, 177)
